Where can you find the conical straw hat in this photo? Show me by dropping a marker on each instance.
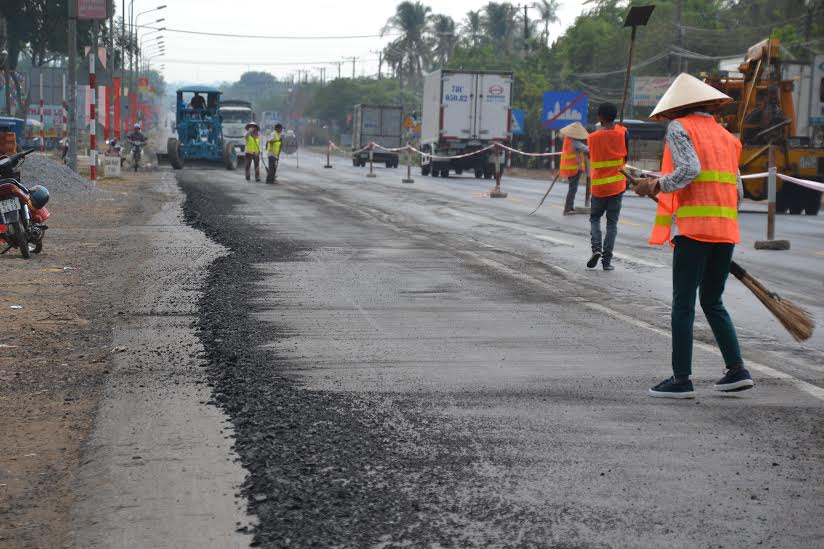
(687, 91)
(574, 131)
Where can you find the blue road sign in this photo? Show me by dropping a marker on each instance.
(518, 117)
(557, 112)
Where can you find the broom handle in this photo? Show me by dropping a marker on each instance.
(736, 270)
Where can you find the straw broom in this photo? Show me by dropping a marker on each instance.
(796, 320)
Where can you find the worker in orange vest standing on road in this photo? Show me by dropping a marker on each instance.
(607, 155)
(701, 188)
(573, 163)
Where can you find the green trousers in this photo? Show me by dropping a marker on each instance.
(701, 267)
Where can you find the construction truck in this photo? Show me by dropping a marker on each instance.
(465, 112)
(763, 115)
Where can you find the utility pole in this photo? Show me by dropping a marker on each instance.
(72, 86)
(339, 65)
(526, 29)
(679, 33)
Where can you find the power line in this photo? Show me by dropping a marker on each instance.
(264, 37)
(635, 66)
(245, 63)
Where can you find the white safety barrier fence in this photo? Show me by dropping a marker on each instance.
(815, 185)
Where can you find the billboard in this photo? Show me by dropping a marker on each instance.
(52, 119)
(92, 9)
(562, 108)
(648, 90)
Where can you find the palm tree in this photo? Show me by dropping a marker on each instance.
(500, 21)
(473, 27)
(409, 51)
(548, 10)
(443, 39)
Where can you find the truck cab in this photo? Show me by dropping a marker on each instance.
(235, 114)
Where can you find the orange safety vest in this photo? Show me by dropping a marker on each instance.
(607, 154)
(570, 160)
(707, 208)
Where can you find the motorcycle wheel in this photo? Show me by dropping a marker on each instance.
(21, 240)
(38, 247)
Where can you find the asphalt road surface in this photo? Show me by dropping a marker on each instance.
(418, 365)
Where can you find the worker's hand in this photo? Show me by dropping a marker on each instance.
(645, 186)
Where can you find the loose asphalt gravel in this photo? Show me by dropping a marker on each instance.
(58, 178)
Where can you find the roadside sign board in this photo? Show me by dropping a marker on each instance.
(562, 108)
(648, 90)
(91, 9)
(518, 118)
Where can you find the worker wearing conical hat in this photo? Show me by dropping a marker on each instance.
(700, 188)
(252, 150)
(572, 160)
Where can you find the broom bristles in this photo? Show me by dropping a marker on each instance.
(794, 318)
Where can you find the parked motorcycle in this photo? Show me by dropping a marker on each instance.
(22, 210)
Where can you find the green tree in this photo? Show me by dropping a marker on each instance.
(548, 14)
(444, 39)
(472, 28)
(500, 23)
(409, 53)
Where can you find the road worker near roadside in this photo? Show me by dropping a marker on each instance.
(252, 149)
(607, 155)
(573, 162)
(273, 146)
(701, 188)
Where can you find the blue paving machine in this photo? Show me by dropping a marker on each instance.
(199, 129)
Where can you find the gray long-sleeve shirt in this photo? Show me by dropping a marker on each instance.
(686, 165)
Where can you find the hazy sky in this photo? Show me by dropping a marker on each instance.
(194, 58)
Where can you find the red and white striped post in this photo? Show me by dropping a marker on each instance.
(497, 192)
(64, 115)
(92, 117)
(42, 118)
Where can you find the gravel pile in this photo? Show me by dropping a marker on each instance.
(56, 177)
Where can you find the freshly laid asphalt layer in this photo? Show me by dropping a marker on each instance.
(419, 366)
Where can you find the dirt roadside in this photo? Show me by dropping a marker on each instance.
(55, 352)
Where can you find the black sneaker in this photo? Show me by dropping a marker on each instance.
(735, 380)
(593, 261)
(673, 388)
(607, 266)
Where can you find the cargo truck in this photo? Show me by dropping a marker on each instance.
(379, 124)
(465, 111)
(236, 114)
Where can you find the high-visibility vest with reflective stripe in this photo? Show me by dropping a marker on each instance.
(252, 144)
(571, 163)
(707, 208)
(273, 146)
(607, 153)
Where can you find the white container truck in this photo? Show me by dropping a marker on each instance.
(381, 124)
(465, 111)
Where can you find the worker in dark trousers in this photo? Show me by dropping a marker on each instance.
(701, 188)
(607, 155)
(573, 162)
(273, 147)
(252, 150)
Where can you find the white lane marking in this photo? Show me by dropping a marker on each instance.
(639, 261)
(559, 241)
(804, 386)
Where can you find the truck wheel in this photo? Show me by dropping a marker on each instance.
(445, 173)
(489, 171)
(478, 173)
(389, 164)
(783, 199)
(229, 156)
(173, 150)
(812, 201)
(355, 162)
(458, 172)
(425, 169)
